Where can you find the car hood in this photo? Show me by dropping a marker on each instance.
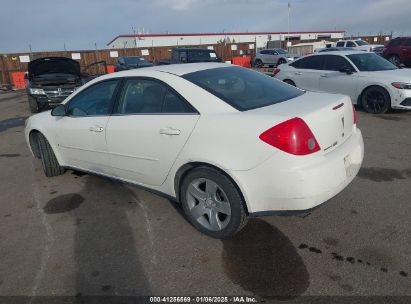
(53, 65)
(392, 75)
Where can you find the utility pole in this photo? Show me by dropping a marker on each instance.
(288, 23)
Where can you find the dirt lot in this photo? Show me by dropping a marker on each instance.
(82, 235)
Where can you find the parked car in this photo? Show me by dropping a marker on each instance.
(273, 57)
(226, 141)
(50, 80)
(398, 51)
(332, 49)
(360, 45)
(370, 80)
(190, 55)
(131, 62)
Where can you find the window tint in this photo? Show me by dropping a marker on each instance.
(202, 55)
(95, 100)
(350, 44)
(394, 42)
(264, 52)
(273, 52)
(144, 96)
(371, 62)
(340, 44)
(243, 89)
(314, 62)
(335, 63)
(408, 42)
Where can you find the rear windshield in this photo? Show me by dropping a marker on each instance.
(242, 88)
(202, 55)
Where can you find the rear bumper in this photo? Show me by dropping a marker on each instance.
(291, 184)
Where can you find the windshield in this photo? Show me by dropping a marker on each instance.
(281, 51)
(361, 42)
(243, 89)
(135, 60)
(370, 62)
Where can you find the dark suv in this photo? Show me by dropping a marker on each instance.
(131, 62)
(398, 51)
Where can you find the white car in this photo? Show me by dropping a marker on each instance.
(370, 80)
(360, 45)
(225, 141)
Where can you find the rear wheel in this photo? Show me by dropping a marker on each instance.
(49, 161)
(290, 82)
(212, 203)
(394, 59)
(375, 100)
(259, 63)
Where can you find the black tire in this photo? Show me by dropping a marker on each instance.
(258, 63)
(238, 218)
(34, 106)
(290, 82)
(375, 100)
(49, 161)
(394, 59)
(281, 61)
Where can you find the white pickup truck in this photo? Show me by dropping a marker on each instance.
(360, 45)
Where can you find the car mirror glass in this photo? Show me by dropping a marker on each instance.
(59, 110)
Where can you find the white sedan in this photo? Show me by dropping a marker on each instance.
(370, 80)
(225, 141)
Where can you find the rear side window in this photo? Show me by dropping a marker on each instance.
(147, 96)
(350, 44)
(394, 42)
(335, 63)
(340, 44)
(242, 88)
(315, 62)
(264, 52)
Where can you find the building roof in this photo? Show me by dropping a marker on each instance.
(220, 34)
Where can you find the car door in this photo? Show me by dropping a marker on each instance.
(334, 81)
(82, 132)
(272, 57)
(406, 51)
(150, 126)
(306, 72)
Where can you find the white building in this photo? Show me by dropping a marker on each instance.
(260, 38)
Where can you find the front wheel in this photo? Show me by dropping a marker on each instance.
(375, 100)
(259, 63)
(394, 59)
(281, 61)
(49, 161)
(212, 203)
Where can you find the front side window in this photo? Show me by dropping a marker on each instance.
(146, 96)
(314, 62)
(243, 89)
(95, 100)
(370, 62)
(350, 44)
(336, 63)
(340, 44)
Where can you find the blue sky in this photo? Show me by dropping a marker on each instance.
(49, 24)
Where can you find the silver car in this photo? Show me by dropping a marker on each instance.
(273, 57)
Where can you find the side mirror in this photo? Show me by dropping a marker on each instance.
(346, 70)
(59, 110)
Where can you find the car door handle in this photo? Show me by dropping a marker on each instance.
(170, 131)
(96, 128)
(298, 73)
(323, 75)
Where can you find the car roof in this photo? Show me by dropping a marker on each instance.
(344, 53)
(178, 69)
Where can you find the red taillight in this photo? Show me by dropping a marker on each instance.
(292, 136)
(276, 71)
(354, 113)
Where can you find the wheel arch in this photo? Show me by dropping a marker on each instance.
(34, 145)
(187, 167)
